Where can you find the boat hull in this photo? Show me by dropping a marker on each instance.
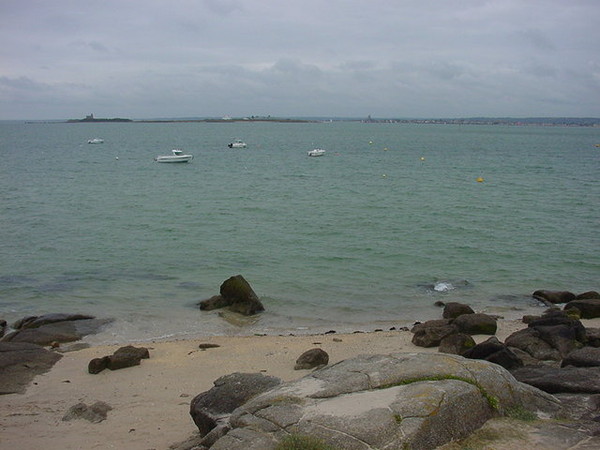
(174, 159)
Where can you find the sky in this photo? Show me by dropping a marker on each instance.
(140, 59)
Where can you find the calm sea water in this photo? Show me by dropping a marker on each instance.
(368, 236)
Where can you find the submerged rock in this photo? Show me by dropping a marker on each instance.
(237, 295)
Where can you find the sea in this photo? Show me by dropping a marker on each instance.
(394, 218)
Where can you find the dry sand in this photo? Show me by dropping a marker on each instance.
(151, 401)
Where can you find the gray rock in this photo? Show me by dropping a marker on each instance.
(583, 357)
(38, 321)
(20, 362)
(431, 333)
(237, 295)
(494, 351)
(95, 413)
(454, 309)
(61, 331)
(122, 358)
(404, 400)
(589, 308)
(456, 344)
(477, 323)
(553, 297)
(554, 380)
(213, 407)
(529, 341)
(312, 358)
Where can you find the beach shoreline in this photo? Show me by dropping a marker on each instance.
(150, 402)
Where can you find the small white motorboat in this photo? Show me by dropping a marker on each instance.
(176, 157)
(316, 152)
(238, 143)
(96, 141)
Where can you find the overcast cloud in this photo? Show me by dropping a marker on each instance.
(387, 58)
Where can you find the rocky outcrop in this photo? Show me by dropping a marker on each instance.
(404, 400)
(210, 410)
(20, 362)
(237, 295)
(55, 328)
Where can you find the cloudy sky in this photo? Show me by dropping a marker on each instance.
(345, 58)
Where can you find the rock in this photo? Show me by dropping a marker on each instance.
(235, 293)
(60, 331)
(454, 309)
(477, 323)
(38, 321)
(403, 400)
(561, 332)
(432, 337)
(310, 359)
(2, 327)
(213, 407)
(593, 336)
(122, 358)
(97, 365)
(587, 295)
(583, 357)
(215, 302)
(580, 406)
(20, 362)
(588, 308)
(529, 341)
(241, 296)
(553, 297)
(567, 379)
(456, 344)
(496, 352)
(95, 413)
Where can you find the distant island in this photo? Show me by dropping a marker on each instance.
(91, 118)
(527, 121)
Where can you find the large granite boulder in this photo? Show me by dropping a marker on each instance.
(20, 362)
(456, 344)
(50, 328)
(210, 410)
(403, 400)
(237, 295)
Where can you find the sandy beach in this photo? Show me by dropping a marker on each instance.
(151, 401)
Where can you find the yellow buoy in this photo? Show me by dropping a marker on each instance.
(422, 159)
(384, 175)
(370, 142)
(480, 179)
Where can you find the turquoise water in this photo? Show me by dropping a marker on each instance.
(354, 240)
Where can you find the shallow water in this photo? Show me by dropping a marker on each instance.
(356, 239)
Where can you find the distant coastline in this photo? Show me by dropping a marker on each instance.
(526, 121)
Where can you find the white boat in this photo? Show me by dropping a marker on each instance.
(176, 157)
(316, 152)
(96, 141)
(238, 143)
